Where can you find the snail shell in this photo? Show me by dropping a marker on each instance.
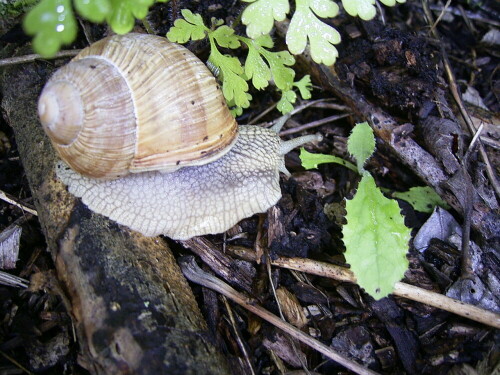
(135, 103)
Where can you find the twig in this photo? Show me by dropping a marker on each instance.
(16, 363)
(313, 124)
(237, 335)
(198, 276)
(6, 198)
(440, 15)
(457, 12)
(400, 289)
(467, 271)
(280, 310)
(30, 58)
(262, 114)
(11, 280)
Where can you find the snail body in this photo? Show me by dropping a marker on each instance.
(228, 173)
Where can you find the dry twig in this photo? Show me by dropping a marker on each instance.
(30, 58)
(400, 289)
(7, 198)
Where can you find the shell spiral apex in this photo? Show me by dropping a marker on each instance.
(60, 112)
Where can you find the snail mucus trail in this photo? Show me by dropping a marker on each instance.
(184, 168)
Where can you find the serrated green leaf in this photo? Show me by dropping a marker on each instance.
(53, 24)
(264, 41)
(234, 86)
(304, 86)
(192, 18)
(422, 198)
(260, 15)
(311, 161)
(285, 103)
(190, 28)
(124, 12)
(225, 37)
(376, 239)
(305, 26)
(93, 10)
(361, 144)
(237, 110)
(324, 8)
(282, 75)
(257, 69)
(275, 69)
(365, 9)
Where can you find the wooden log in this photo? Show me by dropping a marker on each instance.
(132, 308)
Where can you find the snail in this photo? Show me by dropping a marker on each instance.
(147, 139)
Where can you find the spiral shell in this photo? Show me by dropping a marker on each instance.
(135, 103)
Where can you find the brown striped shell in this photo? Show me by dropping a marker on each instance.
(135, 103)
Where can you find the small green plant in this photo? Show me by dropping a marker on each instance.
(261, 65)
(305, 25)
(375, 236)
(15, 8)
(421, 198)
(53, 23)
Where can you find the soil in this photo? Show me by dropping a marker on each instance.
(396, 66)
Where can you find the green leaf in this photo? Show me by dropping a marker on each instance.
(16, 8)
(376, 239)
(361, 144)
(311, 161)
(365, 9)
(124, 12)
(256, 68)
(93, 10)
(237, 110)
(53, 24)
(304, 86)
(285, 103)
(306, 25)
(276, 69)
(227, 68)
(282, 75)
(190, 28)
(422, 198)
(225, 37)
(391, 3)
(234, 86)
(260, 15)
